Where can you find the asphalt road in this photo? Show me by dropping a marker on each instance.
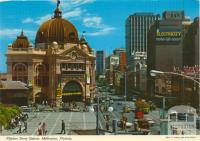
(118, 108)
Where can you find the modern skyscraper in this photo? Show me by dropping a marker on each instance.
(100, 62)
(137, 27)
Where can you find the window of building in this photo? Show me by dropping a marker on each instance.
(41, 78)
(20, 73)
(72, 36)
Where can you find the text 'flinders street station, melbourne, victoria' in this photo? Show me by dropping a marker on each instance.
(61, 67)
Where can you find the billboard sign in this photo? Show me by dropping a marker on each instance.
(168, 36)
(114, 60)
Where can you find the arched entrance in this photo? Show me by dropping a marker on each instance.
(72, 91)
(40, 97)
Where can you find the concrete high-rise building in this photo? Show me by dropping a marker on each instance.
(112, 62)
(122, 61)
(165, 41)
(137, 27)
(117, 51)
(172, 44)
(100, 62)
(121, 53)
(191, 45)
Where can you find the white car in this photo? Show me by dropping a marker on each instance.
(150, 121)
(129, 124)
(90, 109)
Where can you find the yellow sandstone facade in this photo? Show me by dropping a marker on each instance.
(61, 67)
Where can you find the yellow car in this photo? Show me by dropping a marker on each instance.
(146, 110)
(127, 109)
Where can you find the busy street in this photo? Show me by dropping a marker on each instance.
(99, 67)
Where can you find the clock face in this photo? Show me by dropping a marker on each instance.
(74, 55)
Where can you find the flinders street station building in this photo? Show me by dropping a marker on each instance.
(61, 66)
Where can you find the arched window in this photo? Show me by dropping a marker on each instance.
(20, 72)
(41, 78)
(72, 36)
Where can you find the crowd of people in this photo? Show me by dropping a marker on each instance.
(20, 122)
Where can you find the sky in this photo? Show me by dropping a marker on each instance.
(103, 20)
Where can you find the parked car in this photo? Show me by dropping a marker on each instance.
(119, 103)
(111, 101)
(26, 109)
(90, 109)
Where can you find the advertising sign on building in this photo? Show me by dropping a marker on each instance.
(114, 60)
(168, 36)
(59, 92)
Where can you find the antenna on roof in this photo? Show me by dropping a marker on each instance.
(83, 32)
(58, 3)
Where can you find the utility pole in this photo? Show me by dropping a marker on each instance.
(97, 116)
(163, 107)
(125, 90)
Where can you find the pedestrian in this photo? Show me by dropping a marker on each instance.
(26, 115)
(25, 127)
(46, 103)
(107, 125)
(125, 121)
(135, 126)
(44, 128)
(20, 127)
(12, 123)
(122, 122)
(39, 129)
(107, 122)
(62, 127)
(1, 128)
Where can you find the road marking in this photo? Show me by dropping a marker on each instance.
(69, 122)
(55, 123)
(41, 122)
(84, 122)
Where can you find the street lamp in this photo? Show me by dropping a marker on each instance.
(110, 109)
(155, 72)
